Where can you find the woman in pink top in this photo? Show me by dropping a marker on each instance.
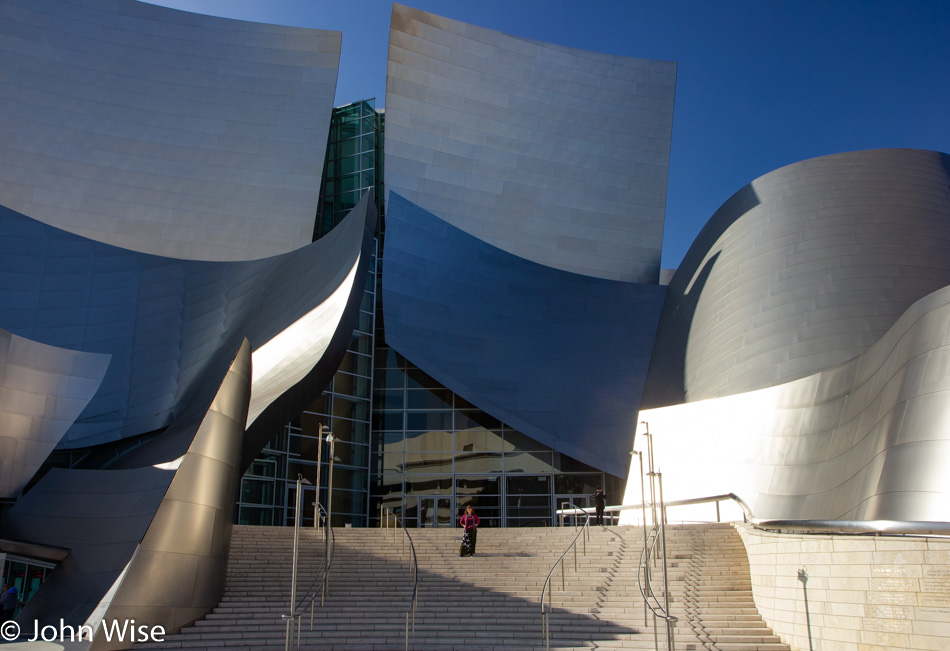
(469, 523)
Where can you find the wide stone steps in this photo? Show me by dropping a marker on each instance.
(491, 601)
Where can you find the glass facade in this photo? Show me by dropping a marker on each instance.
(404, 440)
(268, 489)
(24, 574)
(433, 454)
(354, 163)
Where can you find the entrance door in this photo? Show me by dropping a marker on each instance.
(435, 511)
(578, 501)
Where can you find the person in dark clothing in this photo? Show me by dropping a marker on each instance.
(469, 523)
(8, 602)
(599, 503)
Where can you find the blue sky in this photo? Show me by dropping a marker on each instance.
(761, 83)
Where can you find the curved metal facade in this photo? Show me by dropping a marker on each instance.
(147, 543)
(163, 131)
(802, 270)
(170, 324)
(554, 154)
(43, 389)
(560, 356)
(864, 440)
(158, 519)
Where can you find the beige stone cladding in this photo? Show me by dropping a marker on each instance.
(860, 593)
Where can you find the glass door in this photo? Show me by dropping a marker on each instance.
(578, 501)
(435, 511)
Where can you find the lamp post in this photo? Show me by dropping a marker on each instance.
(293, 573)
(316, 505)
(331, 440)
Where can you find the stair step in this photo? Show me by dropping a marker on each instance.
(491, 601)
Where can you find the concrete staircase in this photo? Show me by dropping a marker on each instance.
(491, 601)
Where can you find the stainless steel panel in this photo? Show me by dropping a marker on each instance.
(183, 88)
(499, 94)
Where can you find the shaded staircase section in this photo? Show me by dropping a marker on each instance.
(487, 602)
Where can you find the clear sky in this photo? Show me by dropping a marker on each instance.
(760, 83)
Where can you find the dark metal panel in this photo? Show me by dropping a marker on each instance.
(560, 356)
(168, 348)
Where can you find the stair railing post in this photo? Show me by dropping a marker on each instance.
(316, 510)
(666, 580)
(288, 641)
(643, 517)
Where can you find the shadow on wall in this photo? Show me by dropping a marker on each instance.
(666, 384)
(865, 440)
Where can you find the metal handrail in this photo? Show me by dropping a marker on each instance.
(811, 527)
(646, 555)
(329, 548)
(545, 616)
(310, 596)
(411, 612)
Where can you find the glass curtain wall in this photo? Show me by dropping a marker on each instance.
(268, 489)
(433, 454)
(411, 444)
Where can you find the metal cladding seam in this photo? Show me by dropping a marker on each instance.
(171, 325)
(554, 154)
(802, 270)
(164, 131)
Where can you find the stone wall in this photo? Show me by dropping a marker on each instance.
(862, 593)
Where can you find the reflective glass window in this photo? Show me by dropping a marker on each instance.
(350, 454)
(387, 420)
(393, 462)
(428, 462)
(469, 419)
(477, 440)
(429, 399)
(528, 485)
(351, 478)
(257, 491)
(477, 485)
(528, 462)
(428, 420)
(429, 484)
(347, 407)
(433, 441)
(478, 462)
(577, 484)
(517, 441)
(389, 399)
(361, 344)
(390, 441)
(419, 380)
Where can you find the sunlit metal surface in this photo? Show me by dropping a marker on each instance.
(865, 440)
(562, 357)
(802, 270)
(554, 154)
(43, 389)
(164, 131)
(171, 325)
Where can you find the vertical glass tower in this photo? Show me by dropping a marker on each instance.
(404, 441)
(353, 167)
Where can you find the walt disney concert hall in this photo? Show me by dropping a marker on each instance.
(204, 264)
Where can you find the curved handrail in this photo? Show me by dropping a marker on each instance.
(817, 527)
(328, 550)
(544, 615)
(658, 610)
(411, 612)
(844, 527)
